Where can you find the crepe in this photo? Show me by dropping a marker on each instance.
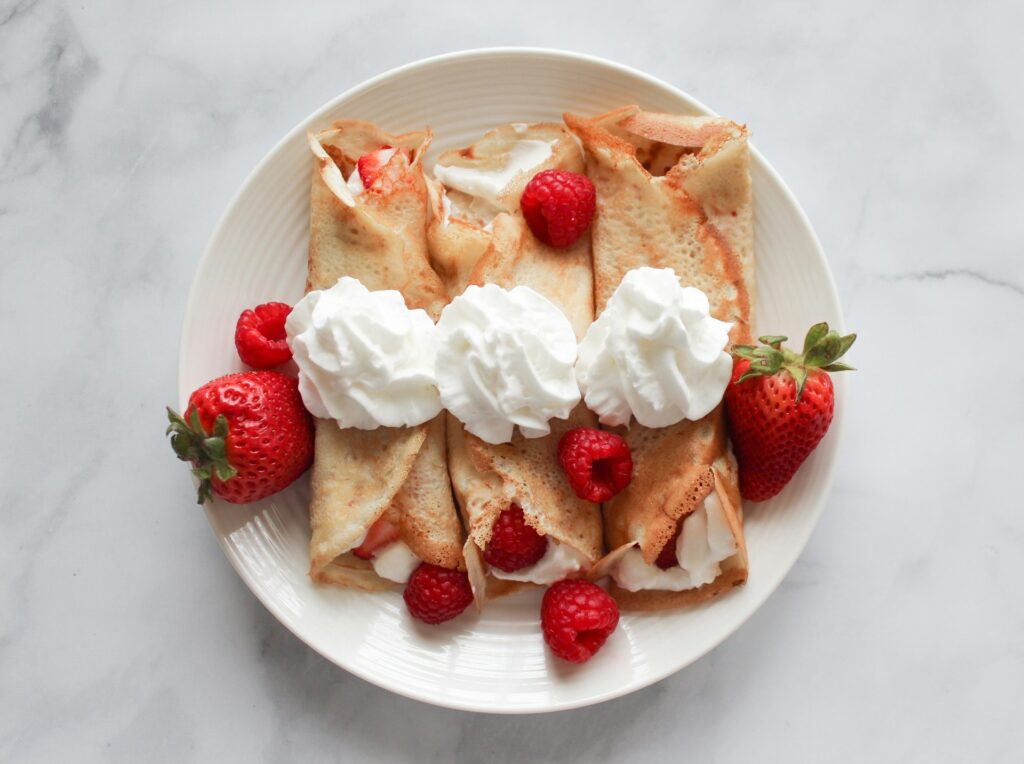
(476, 242)
(360, 476)
(673, 192)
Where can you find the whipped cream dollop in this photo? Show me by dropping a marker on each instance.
(559, 560)
(706, 540)
(505, 358)
(655, 353)
(395, 562)
(364, 358)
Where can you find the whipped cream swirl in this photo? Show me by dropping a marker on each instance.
(655, 353)
(706, 540)
(364, 358)
(505, 358)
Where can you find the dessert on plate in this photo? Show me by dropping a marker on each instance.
(672, 193)
(381, 500)
(529, 367)
(523, 305)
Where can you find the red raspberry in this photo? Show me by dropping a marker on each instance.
(577, 617)
(598, 463)
(436, 594)
(514, 545)
(260, 336)
(667, 556)
(558, 206)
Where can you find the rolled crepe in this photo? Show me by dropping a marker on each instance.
(673, 192)
(486, 241)
(400, 474)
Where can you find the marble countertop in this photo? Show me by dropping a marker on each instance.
(124, 633)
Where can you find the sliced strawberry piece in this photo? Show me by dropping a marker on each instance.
(667, 557)
(370, 165)
(381, 533)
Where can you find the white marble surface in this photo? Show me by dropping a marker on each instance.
(125, 635)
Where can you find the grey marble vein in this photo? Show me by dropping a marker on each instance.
(125, 635)
(947, 273)
(65, 68)
(17, 9)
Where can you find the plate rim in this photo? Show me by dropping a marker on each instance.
(836, 430)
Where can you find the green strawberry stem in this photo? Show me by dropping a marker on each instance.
(823, 347)
(206, 451)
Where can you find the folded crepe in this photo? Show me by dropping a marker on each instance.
(674, 192)
(395, 474)
(477, 235)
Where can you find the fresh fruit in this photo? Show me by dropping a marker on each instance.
(577, 617)
(247, 435)
(370, 165)
(779, 405)
(379, 535)
(667, 557)
(435, 594)
(598, 463)
(260, 336)
(558, 206)
(514, 545)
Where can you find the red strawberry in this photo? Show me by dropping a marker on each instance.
(380, 534)
(779, 405)
(370, 165)
(247, 435)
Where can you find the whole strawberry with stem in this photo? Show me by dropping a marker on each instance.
(247, 435)
(779, 405)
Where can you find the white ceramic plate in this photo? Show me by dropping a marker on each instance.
(497, 661)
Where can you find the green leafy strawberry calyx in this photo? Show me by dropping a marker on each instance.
(823, 347)
(207, 451)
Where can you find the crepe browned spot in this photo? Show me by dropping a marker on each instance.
(361, 475)
(673, 192)
(488, 478)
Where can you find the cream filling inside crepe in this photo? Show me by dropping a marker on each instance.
(706, 540)
(446, 208)
(475, 211)
(486, 186)
(355, 183)
(559, 561)
(395, 562)
(355, 180)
